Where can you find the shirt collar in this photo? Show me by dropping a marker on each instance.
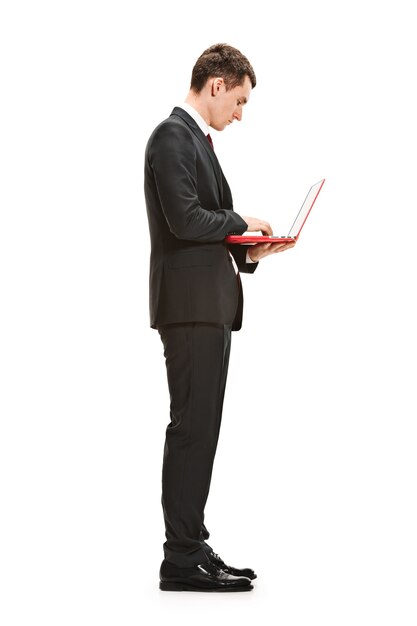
(202, 124)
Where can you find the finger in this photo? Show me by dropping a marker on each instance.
(277, 246)
(286, 246)
(263, 246)
(266, 229)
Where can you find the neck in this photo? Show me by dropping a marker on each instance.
(195, 100)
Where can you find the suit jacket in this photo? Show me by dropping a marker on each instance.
(190, 212)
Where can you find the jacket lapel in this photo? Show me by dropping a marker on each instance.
(203, 140)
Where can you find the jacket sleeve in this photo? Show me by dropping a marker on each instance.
(173, 159)
(238, 252)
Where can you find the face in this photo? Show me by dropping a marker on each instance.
(226, 106)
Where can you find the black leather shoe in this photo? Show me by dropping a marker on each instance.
(204, 577)
(234, 571)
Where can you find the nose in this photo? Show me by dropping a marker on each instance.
(237, 115)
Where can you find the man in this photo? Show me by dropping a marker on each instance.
(195, 302)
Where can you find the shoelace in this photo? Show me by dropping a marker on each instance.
(216, 556)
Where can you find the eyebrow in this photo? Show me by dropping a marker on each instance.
(243, 99)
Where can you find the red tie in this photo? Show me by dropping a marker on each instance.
(209, 139)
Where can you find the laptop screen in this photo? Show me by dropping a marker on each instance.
(305, 209)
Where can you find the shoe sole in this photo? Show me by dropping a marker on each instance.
(171, 586)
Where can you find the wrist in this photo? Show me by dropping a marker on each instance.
(249, 259)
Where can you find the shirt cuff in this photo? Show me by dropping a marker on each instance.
(248, 259)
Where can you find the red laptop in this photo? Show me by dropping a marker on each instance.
(295, 229)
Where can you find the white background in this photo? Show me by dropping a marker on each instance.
(314, 484)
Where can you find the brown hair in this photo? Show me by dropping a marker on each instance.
(223, 61)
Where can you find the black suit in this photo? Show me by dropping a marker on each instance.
(195, 301)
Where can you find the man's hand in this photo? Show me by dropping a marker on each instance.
(255, 225)
(260, 250)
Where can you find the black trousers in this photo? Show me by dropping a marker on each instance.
(197, 360)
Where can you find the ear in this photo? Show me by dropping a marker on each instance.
(217, 86)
